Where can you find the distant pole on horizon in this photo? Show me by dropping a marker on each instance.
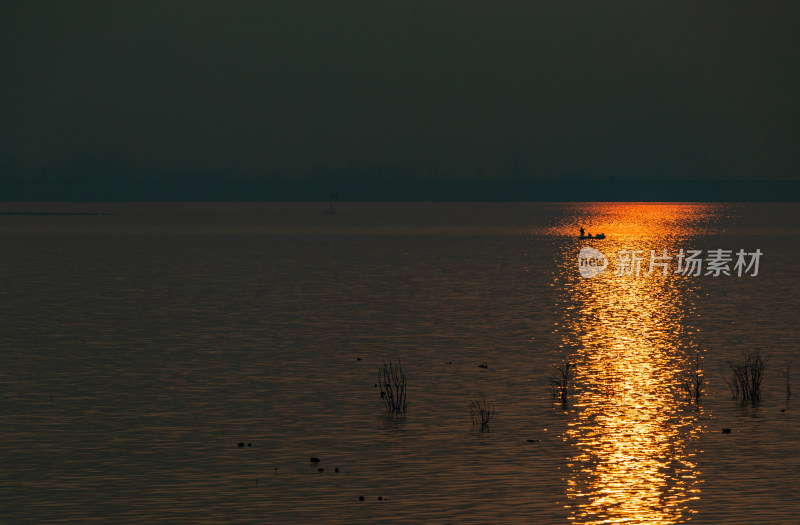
(334, 197)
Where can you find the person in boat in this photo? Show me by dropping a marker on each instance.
(588, 235)
(600, 236)
(582, 233)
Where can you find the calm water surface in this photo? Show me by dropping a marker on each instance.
(139, 347)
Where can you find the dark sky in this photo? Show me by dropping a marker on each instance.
(392, 89)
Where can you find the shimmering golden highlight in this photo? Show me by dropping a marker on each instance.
(632, 428)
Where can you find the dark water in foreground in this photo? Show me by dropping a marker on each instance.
(138, 348)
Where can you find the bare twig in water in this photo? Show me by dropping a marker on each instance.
(561, 386)
(481, 410)
(787, 375)
(392, 381)
(693, 385)
(745, 380)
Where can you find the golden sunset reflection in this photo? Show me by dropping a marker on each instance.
(632, 427)
(641, 221)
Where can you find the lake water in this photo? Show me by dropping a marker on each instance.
(140, 346)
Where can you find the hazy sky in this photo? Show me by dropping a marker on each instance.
(438, 89)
